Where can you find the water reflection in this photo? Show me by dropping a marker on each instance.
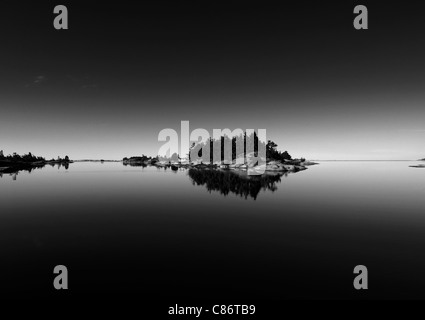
(27, 168)
(14, 171)
(135, 164)
(237, 182)
(59, 165)
(174, 168)
(224, 181)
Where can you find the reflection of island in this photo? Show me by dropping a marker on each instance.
(13, 172)
(12, 164)
(136, 161)
(419, 165)
(237, 182)
(142, 161)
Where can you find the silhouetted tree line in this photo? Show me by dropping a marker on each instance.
(137, 158)
(141, 158)
(59, 159)
(27, 158)
(270, 146)
(273, 154)
(139, 161)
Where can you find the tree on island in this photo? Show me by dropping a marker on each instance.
(271, 151)
(137, 158)
(273, 154)
(29, 157)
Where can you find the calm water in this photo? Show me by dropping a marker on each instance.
(153, 233)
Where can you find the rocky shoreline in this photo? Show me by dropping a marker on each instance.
(295, 165)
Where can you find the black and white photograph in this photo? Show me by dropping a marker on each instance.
(212, 158)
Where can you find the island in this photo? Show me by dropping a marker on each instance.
(15, 162)
(276, 161)
(419, 165)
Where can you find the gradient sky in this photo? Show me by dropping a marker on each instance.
(124, 71)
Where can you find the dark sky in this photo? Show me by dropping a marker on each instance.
(124, 71)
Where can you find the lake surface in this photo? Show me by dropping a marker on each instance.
(133, 232)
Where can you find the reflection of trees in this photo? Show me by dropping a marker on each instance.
(14, 171)
(60, 165)
(235, 182)
(12, 164)
(28, 168)
(135, 164)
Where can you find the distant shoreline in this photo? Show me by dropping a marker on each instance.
(96, 160)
